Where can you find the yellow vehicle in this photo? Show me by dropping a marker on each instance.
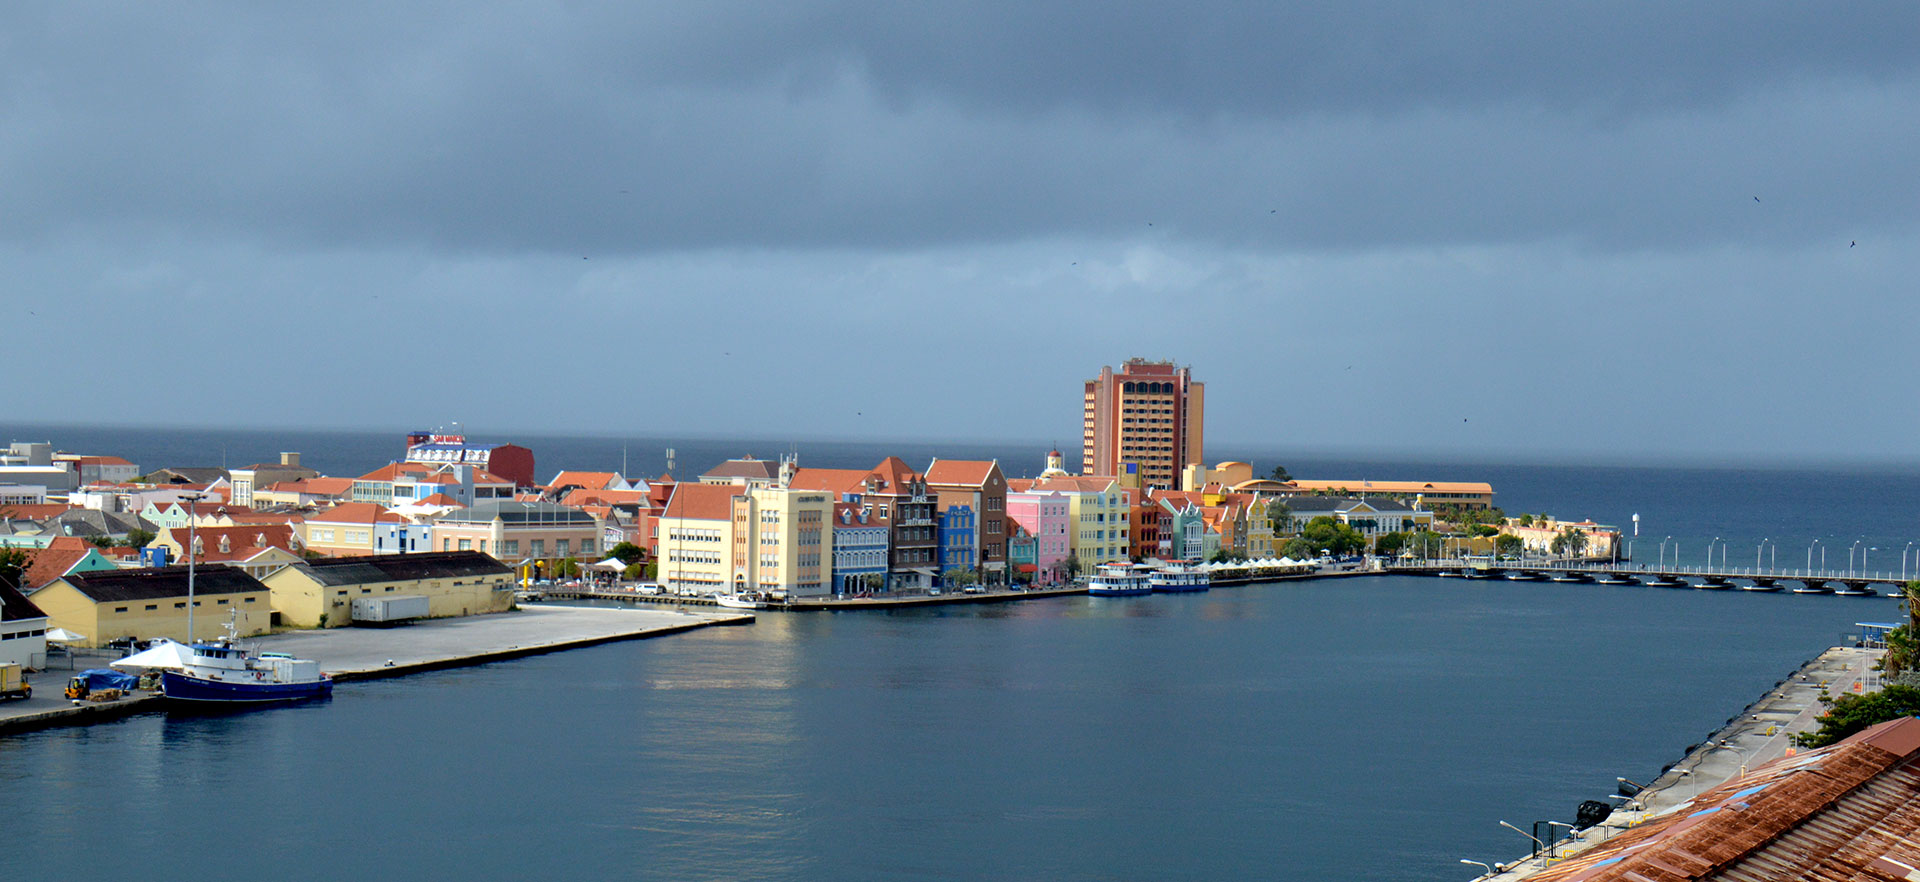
(13, 682)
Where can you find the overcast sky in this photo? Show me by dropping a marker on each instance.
(1626, 229)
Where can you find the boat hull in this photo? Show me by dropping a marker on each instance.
(1117, 591)
(182, 687)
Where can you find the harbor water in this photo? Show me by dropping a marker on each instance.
(1373, 728)
(1369, 728)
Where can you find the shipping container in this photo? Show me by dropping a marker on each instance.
(389, 610)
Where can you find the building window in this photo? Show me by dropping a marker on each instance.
(152, 606)
(466, 545)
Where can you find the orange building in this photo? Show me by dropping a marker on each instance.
(1147, 420)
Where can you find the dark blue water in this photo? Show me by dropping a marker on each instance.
(1375, 728)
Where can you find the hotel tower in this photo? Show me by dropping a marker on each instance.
(1146, 420)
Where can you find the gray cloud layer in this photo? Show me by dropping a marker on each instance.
(1563, 185)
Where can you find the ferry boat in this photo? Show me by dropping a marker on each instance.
(1119, 580)
(226, 672)
(1178, 577)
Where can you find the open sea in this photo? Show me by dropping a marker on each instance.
(1368, 729)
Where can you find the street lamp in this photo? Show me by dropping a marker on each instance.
(1572, 833)
(1536, 839)
(191, 499)
(1850, 551)
(1744, 755)
(1488, 867)
(1903, 561)
(1823, 555)
(1663, 551)
(1716, 541)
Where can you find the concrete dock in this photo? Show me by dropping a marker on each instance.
(367, 653)
(1760, 733)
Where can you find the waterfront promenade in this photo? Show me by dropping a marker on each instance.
(368, 653)
(1759, 734)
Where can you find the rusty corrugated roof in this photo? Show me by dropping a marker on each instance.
(1846, 813)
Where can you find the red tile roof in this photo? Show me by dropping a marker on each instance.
(960, 472)
(243, 542)
(47, 564)
(707, 502)
(588, 480)
(34, 512)
(830, 480)
(437, 499)
(894, 474)
(356, 513)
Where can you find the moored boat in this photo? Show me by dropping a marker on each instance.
(741, 600)
(226, 672)
(1119, 580)
(1179, 577)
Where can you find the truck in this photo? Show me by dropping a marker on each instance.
(13, 682)
(396, 610)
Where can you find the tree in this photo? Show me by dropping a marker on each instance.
(958, 576)
(566, 568)
(1390, 544)
(1221, 555)
(1298, 549)
(1508, 545)
(102, 541)
(1901, 646)
(138, 538)
(628, 553)
(13, 562)
(1072, 565)
(1332, 536)
(1570, 542)
(1526, 520)
(1280, 516)
(635, 571)
(1851, 713)
(1280, 474)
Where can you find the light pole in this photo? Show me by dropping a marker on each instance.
(1536, 839)
(1756, 553)
(1744, 755)
(1710, 545)
(1810, 546)
(1488, 867)
(1571, 834)
(1850, 551)
(1903, 561)
(191, 499)
(1663, 551)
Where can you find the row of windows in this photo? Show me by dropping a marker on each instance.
(183, 604)
(699, 557)
(18, 635)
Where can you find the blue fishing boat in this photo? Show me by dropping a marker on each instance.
(226, 672)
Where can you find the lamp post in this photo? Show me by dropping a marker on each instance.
(1710, 545)
(1488, 867)
(1756, 553)
(1744, 755)
(1810, 546)
(1903, 561)
(1850, 551)
(1663, 551)
(1536, 839)
(1571, 834)
(191, 499)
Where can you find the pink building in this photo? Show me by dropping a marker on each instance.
(1045, 515)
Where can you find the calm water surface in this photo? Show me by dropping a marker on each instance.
(1373, 728)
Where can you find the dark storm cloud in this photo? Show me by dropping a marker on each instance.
(608, 129)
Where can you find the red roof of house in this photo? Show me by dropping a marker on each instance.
(587, 480)
(47, 564)
(356, 513)
(706, 502)
(242, 542)
(830, 480)
(605, 497)
(894, 473)
(103, 460)
(1074, 484)
(437, 499)
(35, 511)
(960, 472)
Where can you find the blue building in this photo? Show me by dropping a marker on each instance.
(859, 549)
(955, 534)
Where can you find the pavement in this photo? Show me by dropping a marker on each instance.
(1760, 734)
(367, 653)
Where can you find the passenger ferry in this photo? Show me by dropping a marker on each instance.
(1120, 580)
(1180, 576)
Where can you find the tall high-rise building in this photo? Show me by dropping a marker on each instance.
(1147, 420)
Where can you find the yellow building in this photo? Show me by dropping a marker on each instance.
(152, 602)
(530, 534)
(319, 593)
(733, 537)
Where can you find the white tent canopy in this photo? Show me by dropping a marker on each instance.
(165, 654)
(62, 635)
(610, 565)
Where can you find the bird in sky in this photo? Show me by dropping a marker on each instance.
(1851, 243)
(1756, 199)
